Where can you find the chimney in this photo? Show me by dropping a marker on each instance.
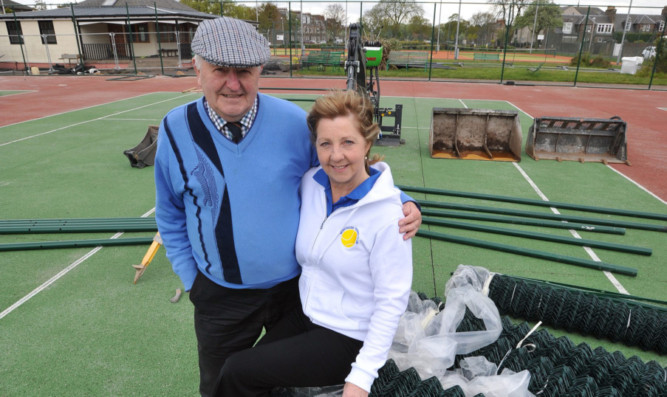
(611, 13)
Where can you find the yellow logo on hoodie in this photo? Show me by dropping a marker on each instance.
(349, 236)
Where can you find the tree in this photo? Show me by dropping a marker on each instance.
(548, 16)
(268, 16)
(508, 10)
(335, 21)
(418, 28)
(388, 15)
(486, 26)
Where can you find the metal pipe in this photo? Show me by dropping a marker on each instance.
(524, 221)
(543, 215)
(539, 236)
(75, 244)
(628, 271)
(147, 227)
(535, 202)
(581, 48)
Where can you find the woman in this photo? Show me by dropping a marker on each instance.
(356, 267)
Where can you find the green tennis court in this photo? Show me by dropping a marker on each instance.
(73, 323)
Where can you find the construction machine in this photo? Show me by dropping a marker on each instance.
(364, 59)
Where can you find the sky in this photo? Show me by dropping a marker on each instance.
(444, 8)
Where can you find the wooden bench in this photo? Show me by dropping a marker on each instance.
(483, 56)
(70, 57)
(322, 59)
(169, 52)
(408, 59)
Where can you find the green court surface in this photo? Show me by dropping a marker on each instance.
(6, 93)
(73, 323)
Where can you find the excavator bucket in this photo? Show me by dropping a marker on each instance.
(566, 138)
(475, 134)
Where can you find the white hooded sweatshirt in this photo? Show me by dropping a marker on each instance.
(356, 268)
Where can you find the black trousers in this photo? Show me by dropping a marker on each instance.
(295, 353)
(230, 320)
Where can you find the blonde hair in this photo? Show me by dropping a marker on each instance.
(340, 103)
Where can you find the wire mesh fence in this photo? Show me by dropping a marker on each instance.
(503, 41)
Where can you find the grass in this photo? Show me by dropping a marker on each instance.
(519, 72)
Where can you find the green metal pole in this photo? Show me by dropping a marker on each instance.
(21, 41)
(289, 28)
(74, 221)
(75, 244)
(539, 236)
(129, 28)
(523, 221)
(430, 64)
(658, 53)
(76, 35)
(628, 271)
(159, 42)
(543, 215)
(507, 33)
(581, 48)
(539, 203)
(79, 229)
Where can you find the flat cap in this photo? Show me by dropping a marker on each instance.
(230, 42)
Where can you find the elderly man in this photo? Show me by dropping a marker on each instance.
(227, 175)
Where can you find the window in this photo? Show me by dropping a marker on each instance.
(140, 33)
(645, 28)
(567, 27)
(15, 32)
(603, 28)
(167, 33)
(662, 26)
(47, 32)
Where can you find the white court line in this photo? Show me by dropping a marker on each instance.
(82, 122)
(120, 119)
(60, 274)
(574, 233)
(636, 184)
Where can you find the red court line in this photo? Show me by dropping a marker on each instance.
(646, 131)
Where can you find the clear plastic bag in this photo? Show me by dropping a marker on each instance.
(427, 339)
(473, 381)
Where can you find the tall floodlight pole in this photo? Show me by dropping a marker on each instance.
(625, 29)
(537, 8)
(456, 42)
(439, 14)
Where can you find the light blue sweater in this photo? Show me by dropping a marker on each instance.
(232, 211)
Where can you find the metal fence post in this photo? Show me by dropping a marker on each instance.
(581, 47)
(658, 53)
(21, 42)
(129, 28)
(430, 64)
(159, 43)
(76, 35)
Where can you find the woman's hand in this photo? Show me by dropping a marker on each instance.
(352, 390)
(413, 219)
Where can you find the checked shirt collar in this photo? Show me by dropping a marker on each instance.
(246, 121)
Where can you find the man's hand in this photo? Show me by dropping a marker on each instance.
(413, 219)
(352, 390)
